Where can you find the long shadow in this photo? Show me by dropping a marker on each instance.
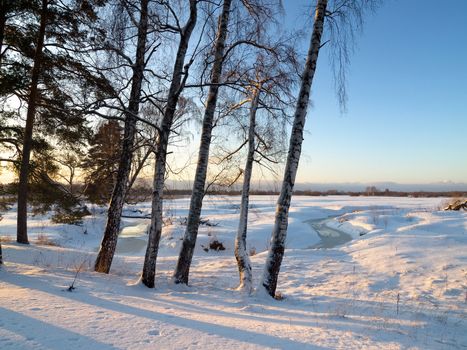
(325, 318)
(38, 332)
(323, 306)
(377, 316)
(358, 316)
(240, 335)
(332, 318)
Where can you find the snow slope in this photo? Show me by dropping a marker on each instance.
(400, 283)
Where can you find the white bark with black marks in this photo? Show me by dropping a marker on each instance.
(149, 268)
(109, 240)
(279, 233)
(241, 253)
(182, 269)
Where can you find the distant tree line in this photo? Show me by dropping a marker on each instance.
(386, 193)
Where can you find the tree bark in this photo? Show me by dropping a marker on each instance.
(2, 31)
(176, 86)
(2, 27)
(22, 219)
(109, 240)
(186, 254)
(279, 232)
(241, 254)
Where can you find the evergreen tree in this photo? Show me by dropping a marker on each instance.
(41, 68)
(101, 163)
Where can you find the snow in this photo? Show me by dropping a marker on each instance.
(401, 282)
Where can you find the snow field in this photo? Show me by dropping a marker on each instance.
(400, 283)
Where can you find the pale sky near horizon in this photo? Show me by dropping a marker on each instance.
(407, 108)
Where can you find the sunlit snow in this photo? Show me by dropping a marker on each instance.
(400, 282)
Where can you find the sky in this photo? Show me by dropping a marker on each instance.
(406, 118)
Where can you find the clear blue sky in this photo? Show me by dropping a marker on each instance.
(407, 111)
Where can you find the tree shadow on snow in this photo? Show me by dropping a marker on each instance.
(211, 329)
(38, 333)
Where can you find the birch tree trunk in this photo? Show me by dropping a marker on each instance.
(109, 240)
(22, 213)
(241, 254)
(176, 86)
(279, 233)
(182, 269)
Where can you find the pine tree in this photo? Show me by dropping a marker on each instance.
(39, 68)
(22, 233)
(101, 162)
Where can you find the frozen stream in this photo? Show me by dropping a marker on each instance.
(329, 237)
(133, 239)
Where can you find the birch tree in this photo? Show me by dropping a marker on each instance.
(186, 254)
(274, 83)
(258, 12)
(345, 16)
(179, 77)
(189, 241)
(241, 254)
(109, 240)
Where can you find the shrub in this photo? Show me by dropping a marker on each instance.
(216, 245)
(70, 216)
(456, 204)
(45, 240)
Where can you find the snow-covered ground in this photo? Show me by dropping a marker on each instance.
(401, 282)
